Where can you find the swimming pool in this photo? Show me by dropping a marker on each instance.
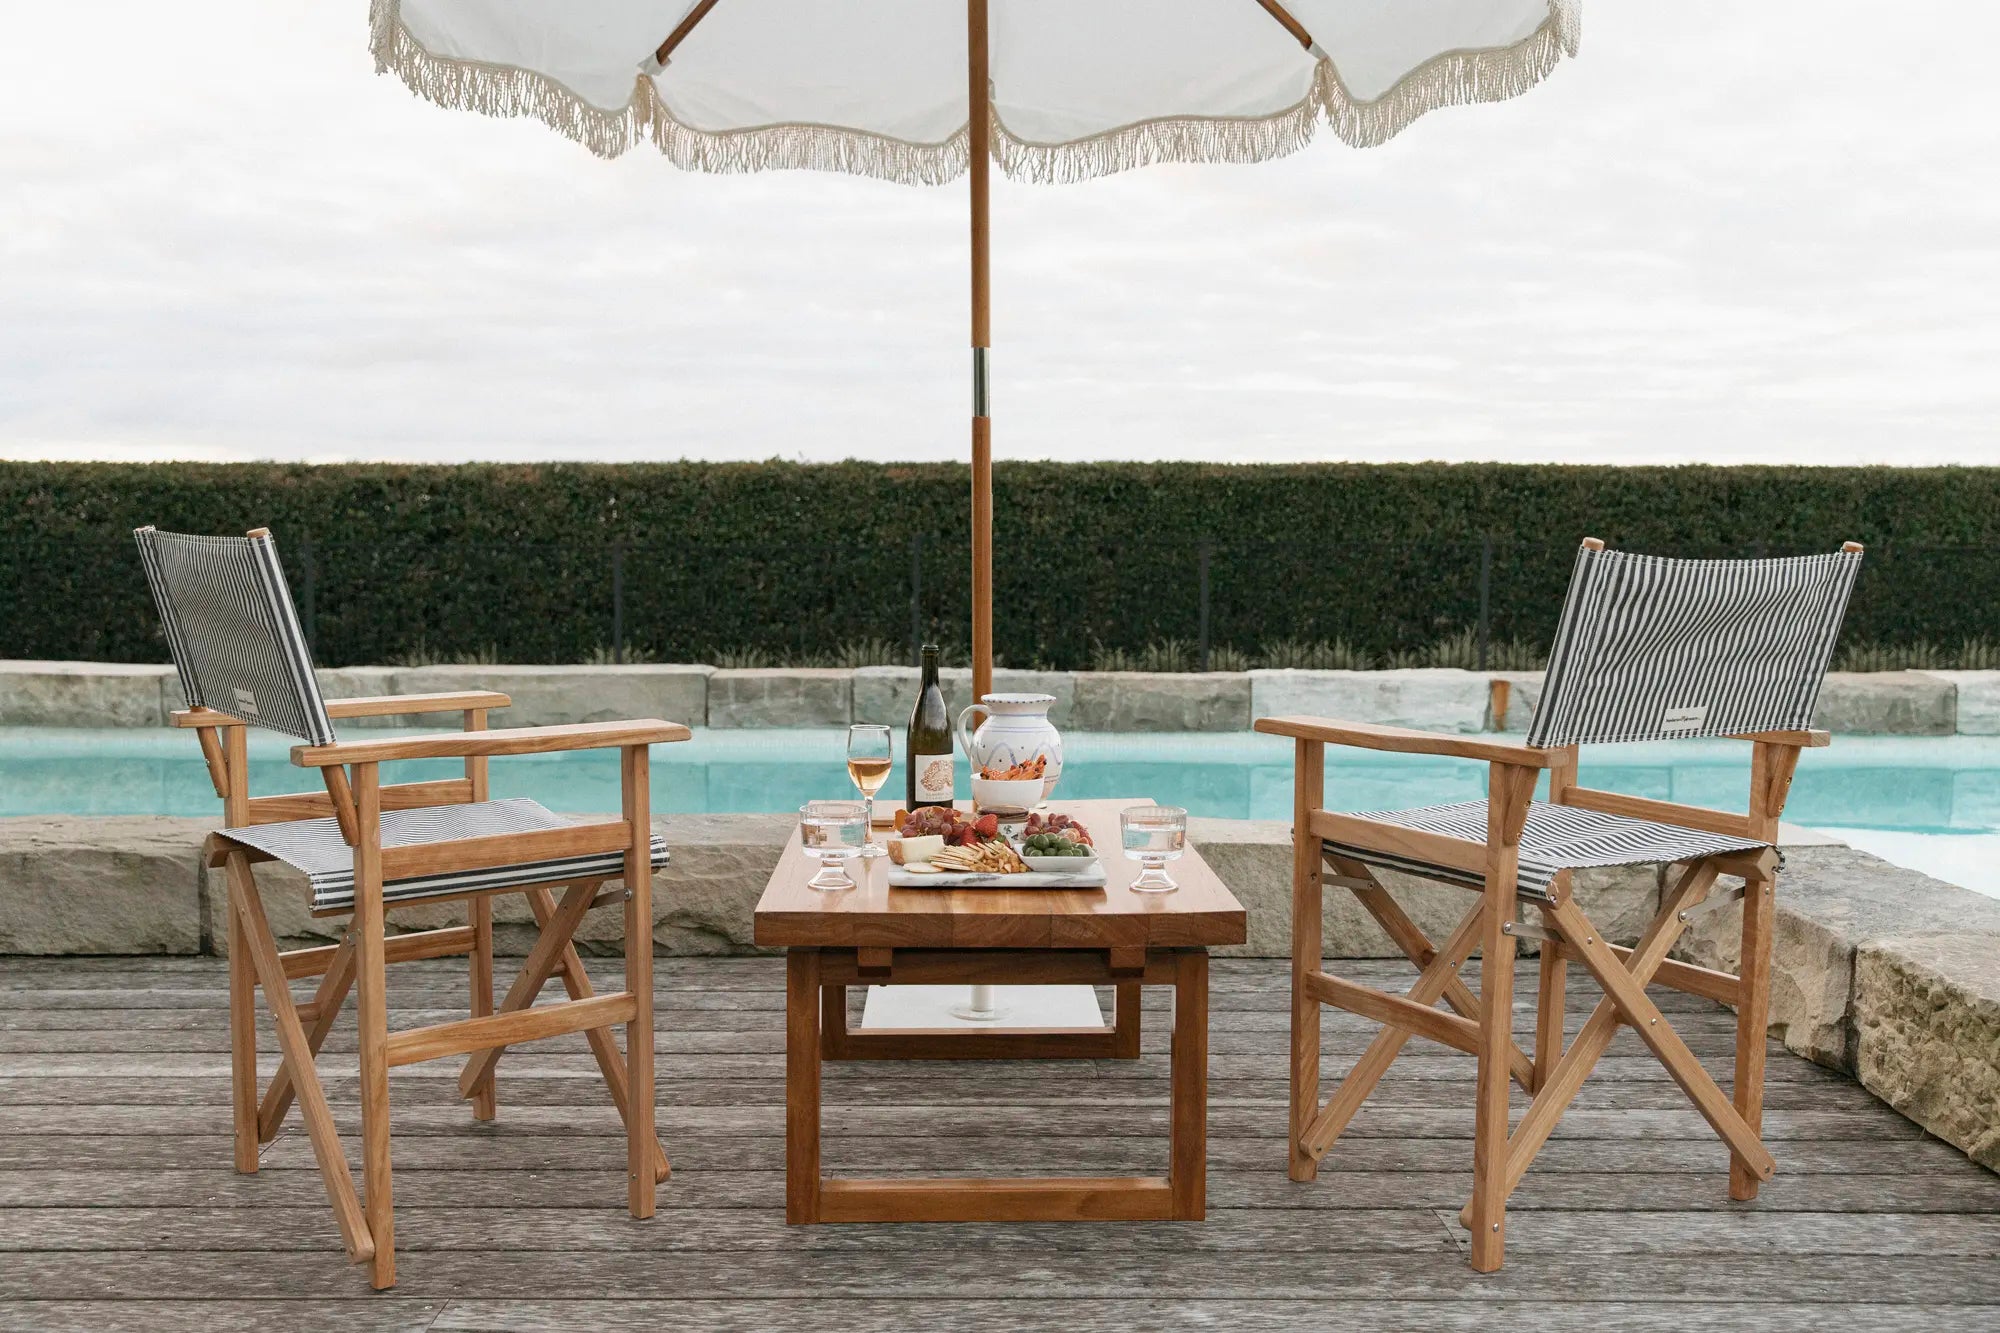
(1929, 803)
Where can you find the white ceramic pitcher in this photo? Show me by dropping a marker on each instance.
(1016, 729)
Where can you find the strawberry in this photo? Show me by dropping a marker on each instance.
(987, 826)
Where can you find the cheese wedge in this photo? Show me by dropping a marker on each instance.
(912, 851)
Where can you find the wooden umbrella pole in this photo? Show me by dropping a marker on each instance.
(665, 50)
(978, 145)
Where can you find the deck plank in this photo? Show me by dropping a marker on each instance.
(1081, 1266)
(118, 1207)
(863, 1315)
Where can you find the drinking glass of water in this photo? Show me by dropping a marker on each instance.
(1153, 835)
(833, 831)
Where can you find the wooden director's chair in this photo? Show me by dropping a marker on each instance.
(365, 847)
(1647, 649)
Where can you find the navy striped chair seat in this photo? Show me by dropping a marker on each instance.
(1556, 838)
(316, 847)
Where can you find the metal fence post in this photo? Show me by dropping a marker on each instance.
(618, 603)
(1206, 549)
(308, 591)
(1485, 596)
(916, 595)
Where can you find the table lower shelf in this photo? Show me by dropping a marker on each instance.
(1117, 1040)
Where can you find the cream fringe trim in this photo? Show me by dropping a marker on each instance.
(1455, 78)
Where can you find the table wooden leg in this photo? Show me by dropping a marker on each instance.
(1187, 1173)
(802, 1068)
(1125, 1022)
(833, 1043)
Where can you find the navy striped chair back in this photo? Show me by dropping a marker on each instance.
(228, 616)
(1651, 648)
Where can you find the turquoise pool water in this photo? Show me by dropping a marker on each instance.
(1933, 804)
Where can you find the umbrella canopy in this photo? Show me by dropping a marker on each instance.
(922, 91)
(1079, 88)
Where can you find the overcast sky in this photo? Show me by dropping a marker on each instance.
(1726, 233)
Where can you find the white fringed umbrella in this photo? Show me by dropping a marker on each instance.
(920, 91)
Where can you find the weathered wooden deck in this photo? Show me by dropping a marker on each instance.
(118, 1207)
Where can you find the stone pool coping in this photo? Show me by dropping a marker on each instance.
(1880, 972)
(102, 694)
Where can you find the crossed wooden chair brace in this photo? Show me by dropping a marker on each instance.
(366, 847)
(1647, 649)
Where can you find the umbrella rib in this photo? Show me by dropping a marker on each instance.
(679, 34)
(1290, 24)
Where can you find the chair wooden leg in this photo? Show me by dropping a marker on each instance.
(576, 982)
(1367, 1071)
(242, 1044)
(1567, 1076)
(642, 1180)
(540, 964)
(1410, 938)
(1549, 1014)
(485, 1099)
(1753, 1006)
(262, 950)
(554, 954)
(1639, 1012)
(1508, 792)
(332, 993)
(1489, 1133)
(372, 1010)
(1309, 783)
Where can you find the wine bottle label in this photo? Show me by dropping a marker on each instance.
(933, 777)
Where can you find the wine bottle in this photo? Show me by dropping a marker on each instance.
(929, 745)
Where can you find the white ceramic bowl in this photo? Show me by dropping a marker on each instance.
(992, 793)
(1060, 865)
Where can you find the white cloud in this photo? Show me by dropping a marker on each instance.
(1725, 233)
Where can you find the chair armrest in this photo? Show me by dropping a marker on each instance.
(1402, 740)
(507, 740)
(1808, 740)
(390, 705)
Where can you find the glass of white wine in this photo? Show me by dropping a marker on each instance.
(1153, 835)
(870, 752)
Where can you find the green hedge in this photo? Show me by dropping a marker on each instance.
(518, 560)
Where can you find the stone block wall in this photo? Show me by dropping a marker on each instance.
(92, 694)
(1927, 1034)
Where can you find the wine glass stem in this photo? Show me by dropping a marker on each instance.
(870, 849)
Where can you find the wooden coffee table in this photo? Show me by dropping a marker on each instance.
(873, 934)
